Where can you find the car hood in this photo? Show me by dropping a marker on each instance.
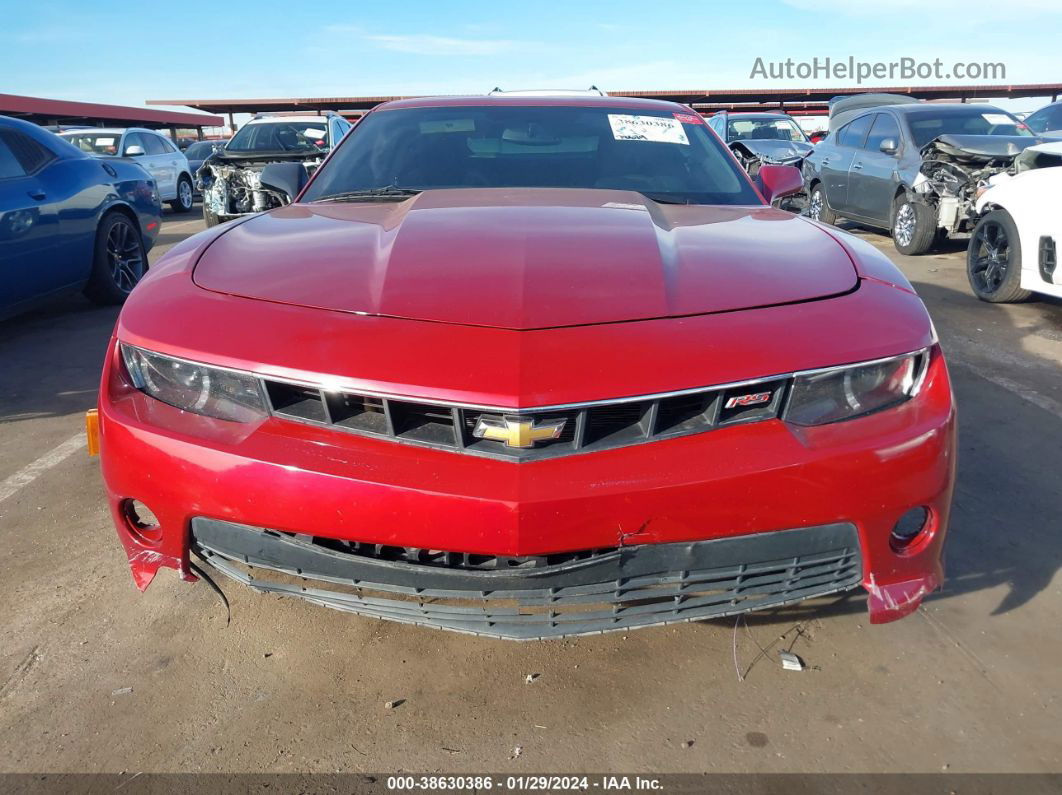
(526, 259)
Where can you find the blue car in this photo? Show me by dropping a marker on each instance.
(69, 220)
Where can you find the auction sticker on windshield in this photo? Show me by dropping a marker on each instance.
(997, 118)
(647, 128)
(689, 118)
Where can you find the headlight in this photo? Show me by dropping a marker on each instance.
(193, 387)
(843, 393)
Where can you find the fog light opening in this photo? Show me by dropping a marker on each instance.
(910, 530)
(141, 522)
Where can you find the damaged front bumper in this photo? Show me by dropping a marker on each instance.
(610, 590)
(231, 185)
(692, 527)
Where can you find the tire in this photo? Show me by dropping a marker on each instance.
(818, 208)
(993, 260)
(185, 195)
(209, 217)
(119, 260)
(914, 229)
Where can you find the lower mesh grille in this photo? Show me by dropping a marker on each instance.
(450, 560)
(624, 588)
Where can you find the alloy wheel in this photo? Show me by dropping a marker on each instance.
(991, 258)
(815, 208)
(125, 255)
(184, 194)
(903, 230)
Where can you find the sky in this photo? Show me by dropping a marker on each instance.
(123, 53)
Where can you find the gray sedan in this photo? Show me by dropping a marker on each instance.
(912, 169)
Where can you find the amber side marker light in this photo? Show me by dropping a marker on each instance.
(92, 431)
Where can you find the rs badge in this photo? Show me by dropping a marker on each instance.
(740, 401)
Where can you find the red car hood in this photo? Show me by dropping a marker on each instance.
(526, 259)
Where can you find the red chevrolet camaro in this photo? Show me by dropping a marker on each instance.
(529, 367)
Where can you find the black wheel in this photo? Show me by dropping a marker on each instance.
(183, 202)
(119, 261)
(818, 209)
(914, 229)
(993, 260)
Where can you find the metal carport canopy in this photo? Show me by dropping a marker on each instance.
(41, 110)
(801, 100)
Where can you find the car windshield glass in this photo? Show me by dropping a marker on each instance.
(95, 143)
(649, 151)
(279, 136)
(764, 129)
(927, 125)
(201, 150)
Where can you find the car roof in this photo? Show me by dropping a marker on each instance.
(627, 103)
(301, 119)
(944, 107)
(108, 130)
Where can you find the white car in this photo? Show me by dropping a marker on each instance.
(1013, 250)
(156, 153)
(230, 178)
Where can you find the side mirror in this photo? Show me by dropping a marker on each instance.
(889, 146)
(135, 150)
(777, 182)
(286, 178)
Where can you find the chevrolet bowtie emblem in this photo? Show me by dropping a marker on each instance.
(517, 431)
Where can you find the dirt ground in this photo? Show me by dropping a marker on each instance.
(96, 677)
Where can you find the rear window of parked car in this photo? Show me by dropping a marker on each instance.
(649, 151)
(884, 127)
(1046, 119)
(26, 154)
(854, 133)
(154, 145)
(201, 150)
(9, 165)
(927, 125)
(96, 143)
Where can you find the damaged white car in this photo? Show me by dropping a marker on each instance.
(230, 179)
(1013, 251)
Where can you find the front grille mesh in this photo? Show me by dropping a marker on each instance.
(439, 558)
(586, 429)
(596, 592)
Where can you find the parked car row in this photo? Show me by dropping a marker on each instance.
(156, 153)
(921, 171)
(925, 171)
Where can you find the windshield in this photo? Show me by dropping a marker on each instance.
(202, 149)
(927, 124)
(668, 156)
(764, 129)
(279, 136)
(95, 143)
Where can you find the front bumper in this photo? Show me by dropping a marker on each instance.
(626, 588)
(682, 515)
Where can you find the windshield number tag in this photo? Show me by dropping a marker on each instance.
(647, 128)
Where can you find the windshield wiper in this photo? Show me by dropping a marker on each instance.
(389, 192)
(665, 198)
